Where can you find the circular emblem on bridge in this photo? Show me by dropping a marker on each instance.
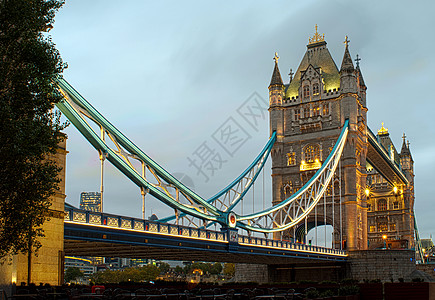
(232, 220)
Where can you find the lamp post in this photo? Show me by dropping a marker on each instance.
(384, 237)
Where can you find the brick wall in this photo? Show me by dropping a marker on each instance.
(381, 264)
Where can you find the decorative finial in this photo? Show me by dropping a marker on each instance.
(357, 59)
(316, 37)
(403, 137)
(346, 41)
(291, 75)
(407, 144)
(276, 57)
(382, 130)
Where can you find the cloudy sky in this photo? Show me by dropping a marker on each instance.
(169, 74)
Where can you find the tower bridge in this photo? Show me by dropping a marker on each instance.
(328, 168)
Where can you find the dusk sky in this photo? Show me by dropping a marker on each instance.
(169, 74)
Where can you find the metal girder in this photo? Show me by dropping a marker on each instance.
(381, 161)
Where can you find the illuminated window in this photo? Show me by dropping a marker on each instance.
(288, 189)
(382, 227)
(392, 226)
(316, 110)
(306, 111)
(311, 153)
(325, 109)
(369, 207)
(396, 205)
(372, 228)
(306, 90)
(316, 89)
(297, 114)
(382, 204)
(291, 159)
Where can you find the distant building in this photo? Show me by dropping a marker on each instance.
(84, 264)
(90, 201)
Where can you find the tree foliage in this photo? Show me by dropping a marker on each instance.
(72, 273)
(29, 129)
(145, 273)
(229, 269)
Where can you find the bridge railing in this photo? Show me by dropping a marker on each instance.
(262, 242)
(127, 223)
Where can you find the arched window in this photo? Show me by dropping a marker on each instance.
(316, 110)
(316, 89)
(288, 189)
(306, 90)
(382, 226)
(382, 204)
(369, 207)
(307, 111)
(311, 153)
(396, 205)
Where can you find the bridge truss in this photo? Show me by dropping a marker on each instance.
(220, 209)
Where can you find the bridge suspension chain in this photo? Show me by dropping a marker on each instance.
(166, 188)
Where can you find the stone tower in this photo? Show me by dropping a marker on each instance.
(391, 205)
(308, 114)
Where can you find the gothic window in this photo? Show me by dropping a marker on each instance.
(372, 228)
(396, 205)
(311, 153)
(288, 189)
(297, 114)
(291, 159)
(392, 226)
(382, 204)
(307, 111)
(382, 227)
(316, 89)
(325, 109)
(316, 110)
(369, 207)
(306, 91)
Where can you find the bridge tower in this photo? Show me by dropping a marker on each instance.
(308, 114)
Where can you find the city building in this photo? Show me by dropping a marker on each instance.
(90, 201)
(85, 265)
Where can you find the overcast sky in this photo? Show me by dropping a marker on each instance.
(169, 74)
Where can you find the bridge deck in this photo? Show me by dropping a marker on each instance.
(96, 234)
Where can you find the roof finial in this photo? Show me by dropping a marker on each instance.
(316, 37)
(403, 137)
(407, 144)
(382, 130)
(276, 57)
(291, 74)
(357, 59)
(346, 41)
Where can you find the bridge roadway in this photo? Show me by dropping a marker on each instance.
(100, 234)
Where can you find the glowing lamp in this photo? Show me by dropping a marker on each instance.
(395, 189)
(384, 236)
(367, 191)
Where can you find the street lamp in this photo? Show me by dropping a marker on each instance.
(384, 237)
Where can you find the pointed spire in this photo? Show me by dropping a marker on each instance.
(405, 146)
(347, 63)
(276, 76)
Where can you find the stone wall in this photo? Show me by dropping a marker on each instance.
(47, 265)
(385, 265)
(252, 273)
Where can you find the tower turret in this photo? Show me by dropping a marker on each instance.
(276, 93)
(348, 80)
